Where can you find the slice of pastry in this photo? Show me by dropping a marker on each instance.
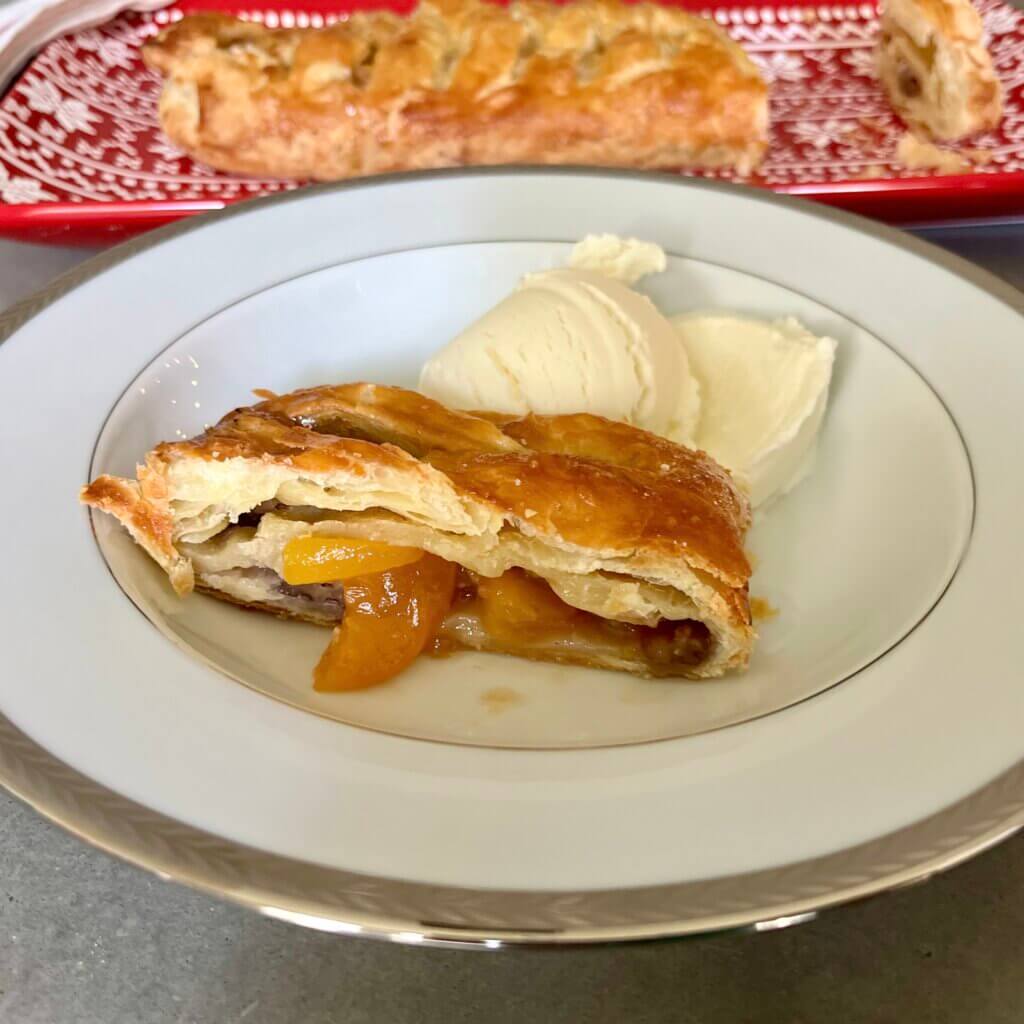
(459, 82)
(933, 63)
(410, 527)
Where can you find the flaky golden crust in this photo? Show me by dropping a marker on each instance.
(461, 82)
(149, 524)
(407, 419)
(934, 65)
(641, 452)
(565, 497)
(602, 507)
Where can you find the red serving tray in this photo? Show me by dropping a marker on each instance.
(83, 160)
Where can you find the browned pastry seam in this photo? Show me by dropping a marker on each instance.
(461, 82)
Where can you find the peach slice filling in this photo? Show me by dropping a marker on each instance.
(400, 602)
(395, 599)
(313, 559)
(518, 613)
(390, 617)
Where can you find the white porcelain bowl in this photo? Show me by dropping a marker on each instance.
(893, 746)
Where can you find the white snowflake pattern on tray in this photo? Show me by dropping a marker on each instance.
(81, 125)
(20, 189)
(821, 135)
(72, 114)
(861, 62)
(111, 51)
(782, 66)
(1001, 20)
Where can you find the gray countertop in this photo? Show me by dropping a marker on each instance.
(89, 940)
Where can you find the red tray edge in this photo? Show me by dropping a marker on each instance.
(895, 200)
(933, 198)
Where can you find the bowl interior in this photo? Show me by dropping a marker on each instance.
(853, 559)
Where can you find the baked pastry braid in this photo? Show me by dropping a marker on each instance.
(934, 65)
(461, 82)
(628, 547)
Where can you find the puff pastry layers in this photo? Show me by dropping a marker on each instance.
(462, 83)
(639, 533)
(934, 65)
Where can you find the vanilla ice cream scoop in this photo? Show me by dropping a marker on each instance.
(571, 340)
(764, 387)
(625, 259)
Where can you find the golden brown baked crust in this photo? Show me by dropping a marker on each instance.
(147, 521)
(619, 522)
(461, 82)
(933, 63)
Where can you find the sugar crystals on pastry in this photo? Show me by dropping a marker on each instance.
(409, 527)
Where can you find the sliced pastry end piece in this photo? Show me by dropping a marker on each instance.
(935, 68)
